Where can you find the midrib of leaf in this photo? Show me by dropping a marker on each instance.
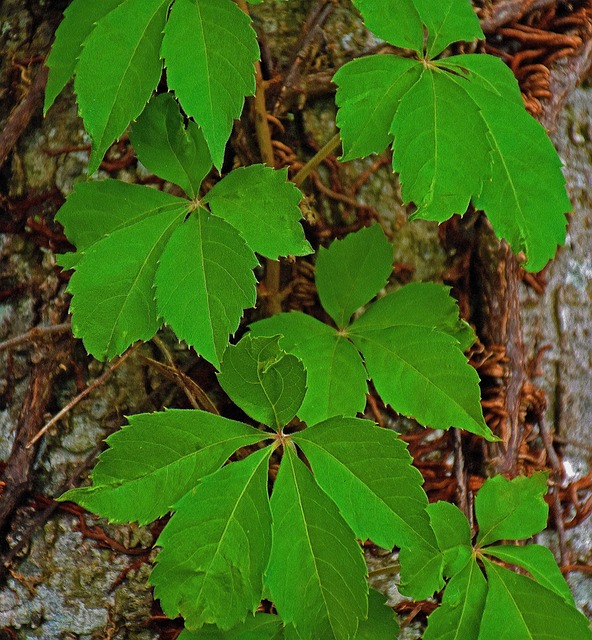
(264, 460)
(310, 547)
(180, 164)
(474, 566)
(350, 472)
(517, 609)
(439, 31)
(271, 403)
(495, 526)
(135, 281)
(124, 75)
(206, 59)
(431, 192)
(365, 336)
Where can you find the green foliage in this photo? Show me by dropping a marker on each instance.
(411, 340)
(501, 603)
(208, 48)
(145, 256)
(420, 106)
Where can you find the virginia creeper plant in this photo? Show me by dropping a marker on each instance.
(238, 533)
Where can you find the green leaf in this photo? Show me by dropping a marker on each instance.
(264, 381)
(421, 570)
(402, 27)
(79, 20)
(204, 282)
(95, 210)
(459, 616)
(261, 203)
(118, 70)
(352, 271)
(335, 373)
(422, 372)
(448, 21)
(539, 562)
(440, 169)
(531, 220)
(530, 611)
(209, 49)
(511, 509)
(453, 533)
(113, 296)
(169, 149)
(156, 460)
(216, 547)
(368, 473)
(424, 304)
(381, 623)
(316, 575)
(369, 91)
(263, 626)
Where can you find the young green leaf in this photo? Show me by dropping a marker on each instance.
(422, 568)
(262, 626)
(422, 373)
(511, 509)
(335, 373)
(529, 610)
(204, 282)
(453, 533)
(261, 203)
(368, 473)
(95, 210)
(352, 271)
(267, 383)
(113, 286)
(216, 546)
(440, 169)
(459, 616)
(402, 27)
(80, 18)
(539, 562)
(118, 70)
(381, 623)
(448, 21)
(169, 149)
(424, 304)
(316, 574)
(369, 91)
(157, 459)
(209, 49)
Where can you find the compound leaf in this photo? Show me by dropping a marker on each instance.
(402, 27)
(79, 20)
(539, 562)
(422, 372)
(157, 459)
(113, 296)
(369, 91)
(425, 304)
(511, 509)
(267, 383)
(530, 611)
(368, 473)
(453, 533)
(96, 209)
(261, 203)
(216, 546)
(440, 169)
(316, 575)
(118, 70)
(169, 149)
(335, 373)
(459, 616)
(448, 21)
(261, 626)
(209, 49)
(352, 271)
(204, 282)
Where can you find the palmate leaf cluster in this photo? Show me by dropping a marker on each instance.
(228, 544)
(486, 601)
(457, 126)
(144, 256)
